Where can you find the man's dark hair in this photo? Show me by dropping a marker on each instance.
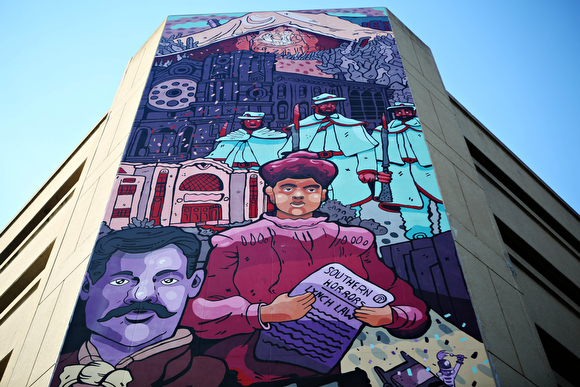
(299, 165)
(142, 240)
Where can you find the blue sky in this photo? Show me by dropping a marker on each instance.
(512, 64)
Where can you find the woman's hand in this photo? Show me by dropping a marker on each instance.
(286, 308)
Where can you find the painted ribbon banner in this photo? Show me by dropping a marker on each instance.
(275, 219)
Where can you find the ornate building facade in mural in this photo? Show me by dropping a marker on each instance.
(266, 140)
(194, 192)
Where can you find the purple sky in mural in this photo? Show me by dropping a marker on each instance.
(507, 63)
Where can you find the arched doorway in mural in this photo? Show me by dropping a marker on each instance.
(253, 196)
(195, 213)
(158, 197)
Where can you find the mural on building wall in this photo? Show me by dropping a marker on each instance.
(275, 220)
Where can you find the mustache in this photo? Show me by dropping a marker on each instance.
(160, 310)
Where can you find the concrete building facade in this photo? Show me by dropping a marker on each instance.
(518, 242)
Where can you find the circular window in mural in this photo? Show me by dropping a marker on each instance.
(258, 92)
(173, 94)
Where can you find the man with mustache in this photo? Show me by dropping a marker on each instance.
(134, 293)
(252, 269)
(346, 143)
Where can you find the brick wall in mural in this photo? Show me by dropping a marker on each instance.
(275, 220)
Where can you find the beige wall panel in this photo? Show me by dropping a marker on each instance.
(126, 85)
(38, 244)
(551, 313)
(509, 377)
(148, 49)
(90, 156)
(133, 68)
(34, 206)
(13, 331)
(33, 340)
(94, 217)
(66, 249)
(105, 140)
(437, 144)
(68, 236)
(404, 42)
(424, 68)
(416, 77)
(129, 76)
(470, 128)
(128, 115)
(546, 244)
(427, 65)
(481, 217)
(116, 152)
(118, 126)
(523, 334)
(487, 307)
(518, 171)
(63, 269)
(58, 323)
(26, 256)
(52, 185)
(452, 133)
(72, 231)
(79, 240)
(103, 147)
(455, 204)
(107, 166)
(425, 109)
(43, 381)
(486, 254)
(119, 149)
(95, 190)
(124, 91)
(470, 214)
(88, 211)
(143, 59)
